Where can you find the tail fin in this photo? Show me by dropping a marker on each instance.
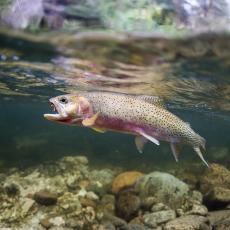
(197, 150)
(200, 144)
(203, 142)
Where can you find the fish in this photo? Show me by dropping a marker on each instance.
(143, 116)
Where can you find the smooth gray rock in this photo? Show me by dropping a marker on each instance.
(218, 216)
(164, 187)
(190, 222)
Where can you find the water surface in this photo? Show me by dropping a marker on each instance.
(191, 75)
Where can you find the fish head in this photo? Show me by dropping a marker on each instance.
(68, 108)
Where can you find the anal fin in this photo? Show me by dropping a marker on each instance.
(175, 150)
(150, 138)
(140, 142)
(197, 150)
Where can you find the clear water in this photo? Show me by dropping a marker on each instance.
(190, 74)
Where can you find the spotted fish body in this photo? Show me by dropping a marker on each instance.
(129, 113)
(141, 115)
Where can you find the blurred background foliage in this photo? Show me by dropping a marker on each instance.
(169, 16)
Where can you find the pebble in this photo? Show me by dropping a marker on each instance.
(153, 219)
(57, 221)
(45, 223)
(198, 210)
(127, 204)
(148, 202)
(45, 198)
(27, 204)
(190, 222)
(11, 189)
(116, 221)
(124, 180)
(159, 207)
(92, 196)
(87, 202)
(107, 204)
(133, 227)
(105, 226)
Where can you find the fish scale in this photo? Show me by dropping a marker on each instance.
(141, 115)
(132, 109)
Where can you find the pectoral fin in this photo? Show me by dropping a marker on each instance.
(100, 130)
(175, 150)
(150, 138)
(140, 142)
(197, 150)
(90, 121)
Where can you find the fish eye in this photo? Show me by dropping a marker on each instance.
(63, 100)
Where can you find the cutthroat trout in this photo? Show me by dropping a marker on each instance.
(140, 115)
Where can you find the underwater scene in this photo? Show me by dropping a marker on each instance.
(114, 115)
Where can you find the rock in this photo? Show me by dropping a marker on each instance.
(57, 221)
(85, 202)
(127, 204)
(148, 202)
(89, 214)
(218, 196)
(105, 226)
(101, 180)
(153, 219)
(180, 212)
(215, 186)
(82, 160)
(196, 197)
(107, 204)
(159, 207)
(26, 205)
(75, 160)
(83, 184)
(190, 222)
(12, 189)
(45, 198)
(45, 223)
(198, 210)
(75, 223)
(124, 180)
(164, 187)
(216, 217)
(69, 202)
(92, 196)
(116, 221)
(133, 227)
(222, 225)
(136, 220)
(59, 228)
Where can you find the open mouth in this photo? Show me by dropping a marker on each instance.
(57, 115)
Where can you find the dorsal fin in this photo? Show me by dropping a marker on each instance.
(152, 100)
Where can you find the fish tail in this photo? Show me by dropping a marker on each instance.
(200, 145)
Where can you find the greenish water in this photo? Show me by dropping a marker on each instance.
(191, 75)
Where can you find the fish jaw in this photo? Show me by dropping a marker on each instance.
(59, 114)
